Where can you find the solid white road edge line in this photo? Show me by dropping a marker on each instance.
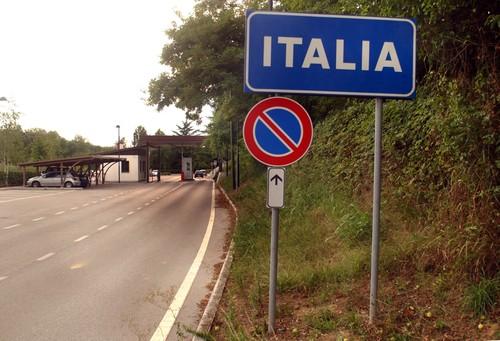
(44, 257)
(168, 320)
(11, 226)
(81, 238)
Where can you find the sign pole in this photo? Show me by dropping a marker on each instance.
(376, 209)
(273, 272)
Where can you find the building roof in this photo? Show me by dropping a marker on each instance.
(158, 140)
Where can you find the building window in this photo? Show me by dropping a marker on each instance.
(125, 166)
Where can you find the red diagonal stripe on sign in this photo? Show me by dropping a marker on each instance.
(278, 131)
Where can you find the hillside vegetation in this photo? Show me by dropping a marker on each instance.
(440, 210)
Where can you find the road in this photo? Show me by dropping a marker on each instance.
(105, 263)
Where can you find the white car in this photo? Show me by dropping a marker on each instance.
(53, 179)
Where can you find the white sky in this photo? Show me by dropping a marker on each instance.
(82, 67)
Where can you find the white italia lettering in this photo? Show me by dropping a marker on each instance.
(316, 55)
(388, 50)
(266, 60)
(339, 58)
(289, 43)
(365, 55)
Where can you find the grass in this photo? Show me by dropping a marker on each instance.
(480, 298)
(324, 266)
(323, 320)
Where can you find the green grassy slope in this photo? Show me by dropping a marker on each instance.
(439, 250)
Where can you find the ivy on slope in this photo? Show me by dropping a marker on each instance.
(438, 166)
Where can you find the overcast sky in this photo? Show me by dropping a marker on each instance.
(82, 67)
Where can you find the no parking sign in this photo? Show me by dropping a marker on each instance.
(278, 131)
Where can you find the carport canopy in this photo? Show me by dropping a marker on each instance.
(95, 165)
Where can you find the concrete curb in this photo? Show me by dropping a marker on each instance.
(213, 303)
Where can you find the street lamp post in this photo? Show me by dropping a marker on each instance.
(118, 146)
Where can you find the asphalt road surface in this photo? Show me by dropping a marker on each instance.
(108, 263)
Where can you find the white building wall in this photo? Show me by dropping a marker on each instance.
(131, 176)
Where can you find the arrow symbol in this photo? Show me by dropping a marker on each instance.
(276, 178)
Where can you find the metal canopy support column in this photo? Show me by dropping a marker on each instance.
(96, 171)
(376, 209)
(159, 164)
(147, 163)
(61, 171)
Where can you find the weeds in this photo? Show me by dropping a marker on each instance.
(323, 320)
(481, 297)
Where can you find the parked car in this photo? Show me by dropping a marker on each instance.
(53, 179)
(200, 173)
(154, 172)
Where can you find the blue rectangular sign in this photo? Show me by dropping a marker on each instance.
(330, 55)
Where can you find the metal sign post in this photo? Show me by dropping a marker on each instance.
(376, 209)
(273, 270)
(275, 200)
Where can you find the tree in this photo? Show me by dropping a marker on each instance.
(139, 133)
(205, 57)
(185, 129)
(159, 132)
(11, 141)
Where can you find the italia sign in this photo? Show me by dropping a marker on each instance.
(330, 55)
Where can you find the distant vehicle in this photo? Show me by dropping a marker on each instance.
(154, 172)
(200, 173)
(53, 179)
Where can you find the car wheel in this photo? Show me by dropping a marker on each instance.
(68, 184)
(35, 184)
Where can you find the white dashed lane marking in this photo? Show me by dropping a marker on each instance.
(60, 212)
(81, 238)
(139, 208)
(146, 204)
(11, 226)
(130, 213)
(103, 199)
(38, 219)
(118, 219)
(86, 204)
(44, 257)
(3, 277)
(102, 227)
(95, 202)
(74, 208)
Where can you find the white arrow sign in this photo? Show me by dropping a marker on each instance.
(275, 187)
